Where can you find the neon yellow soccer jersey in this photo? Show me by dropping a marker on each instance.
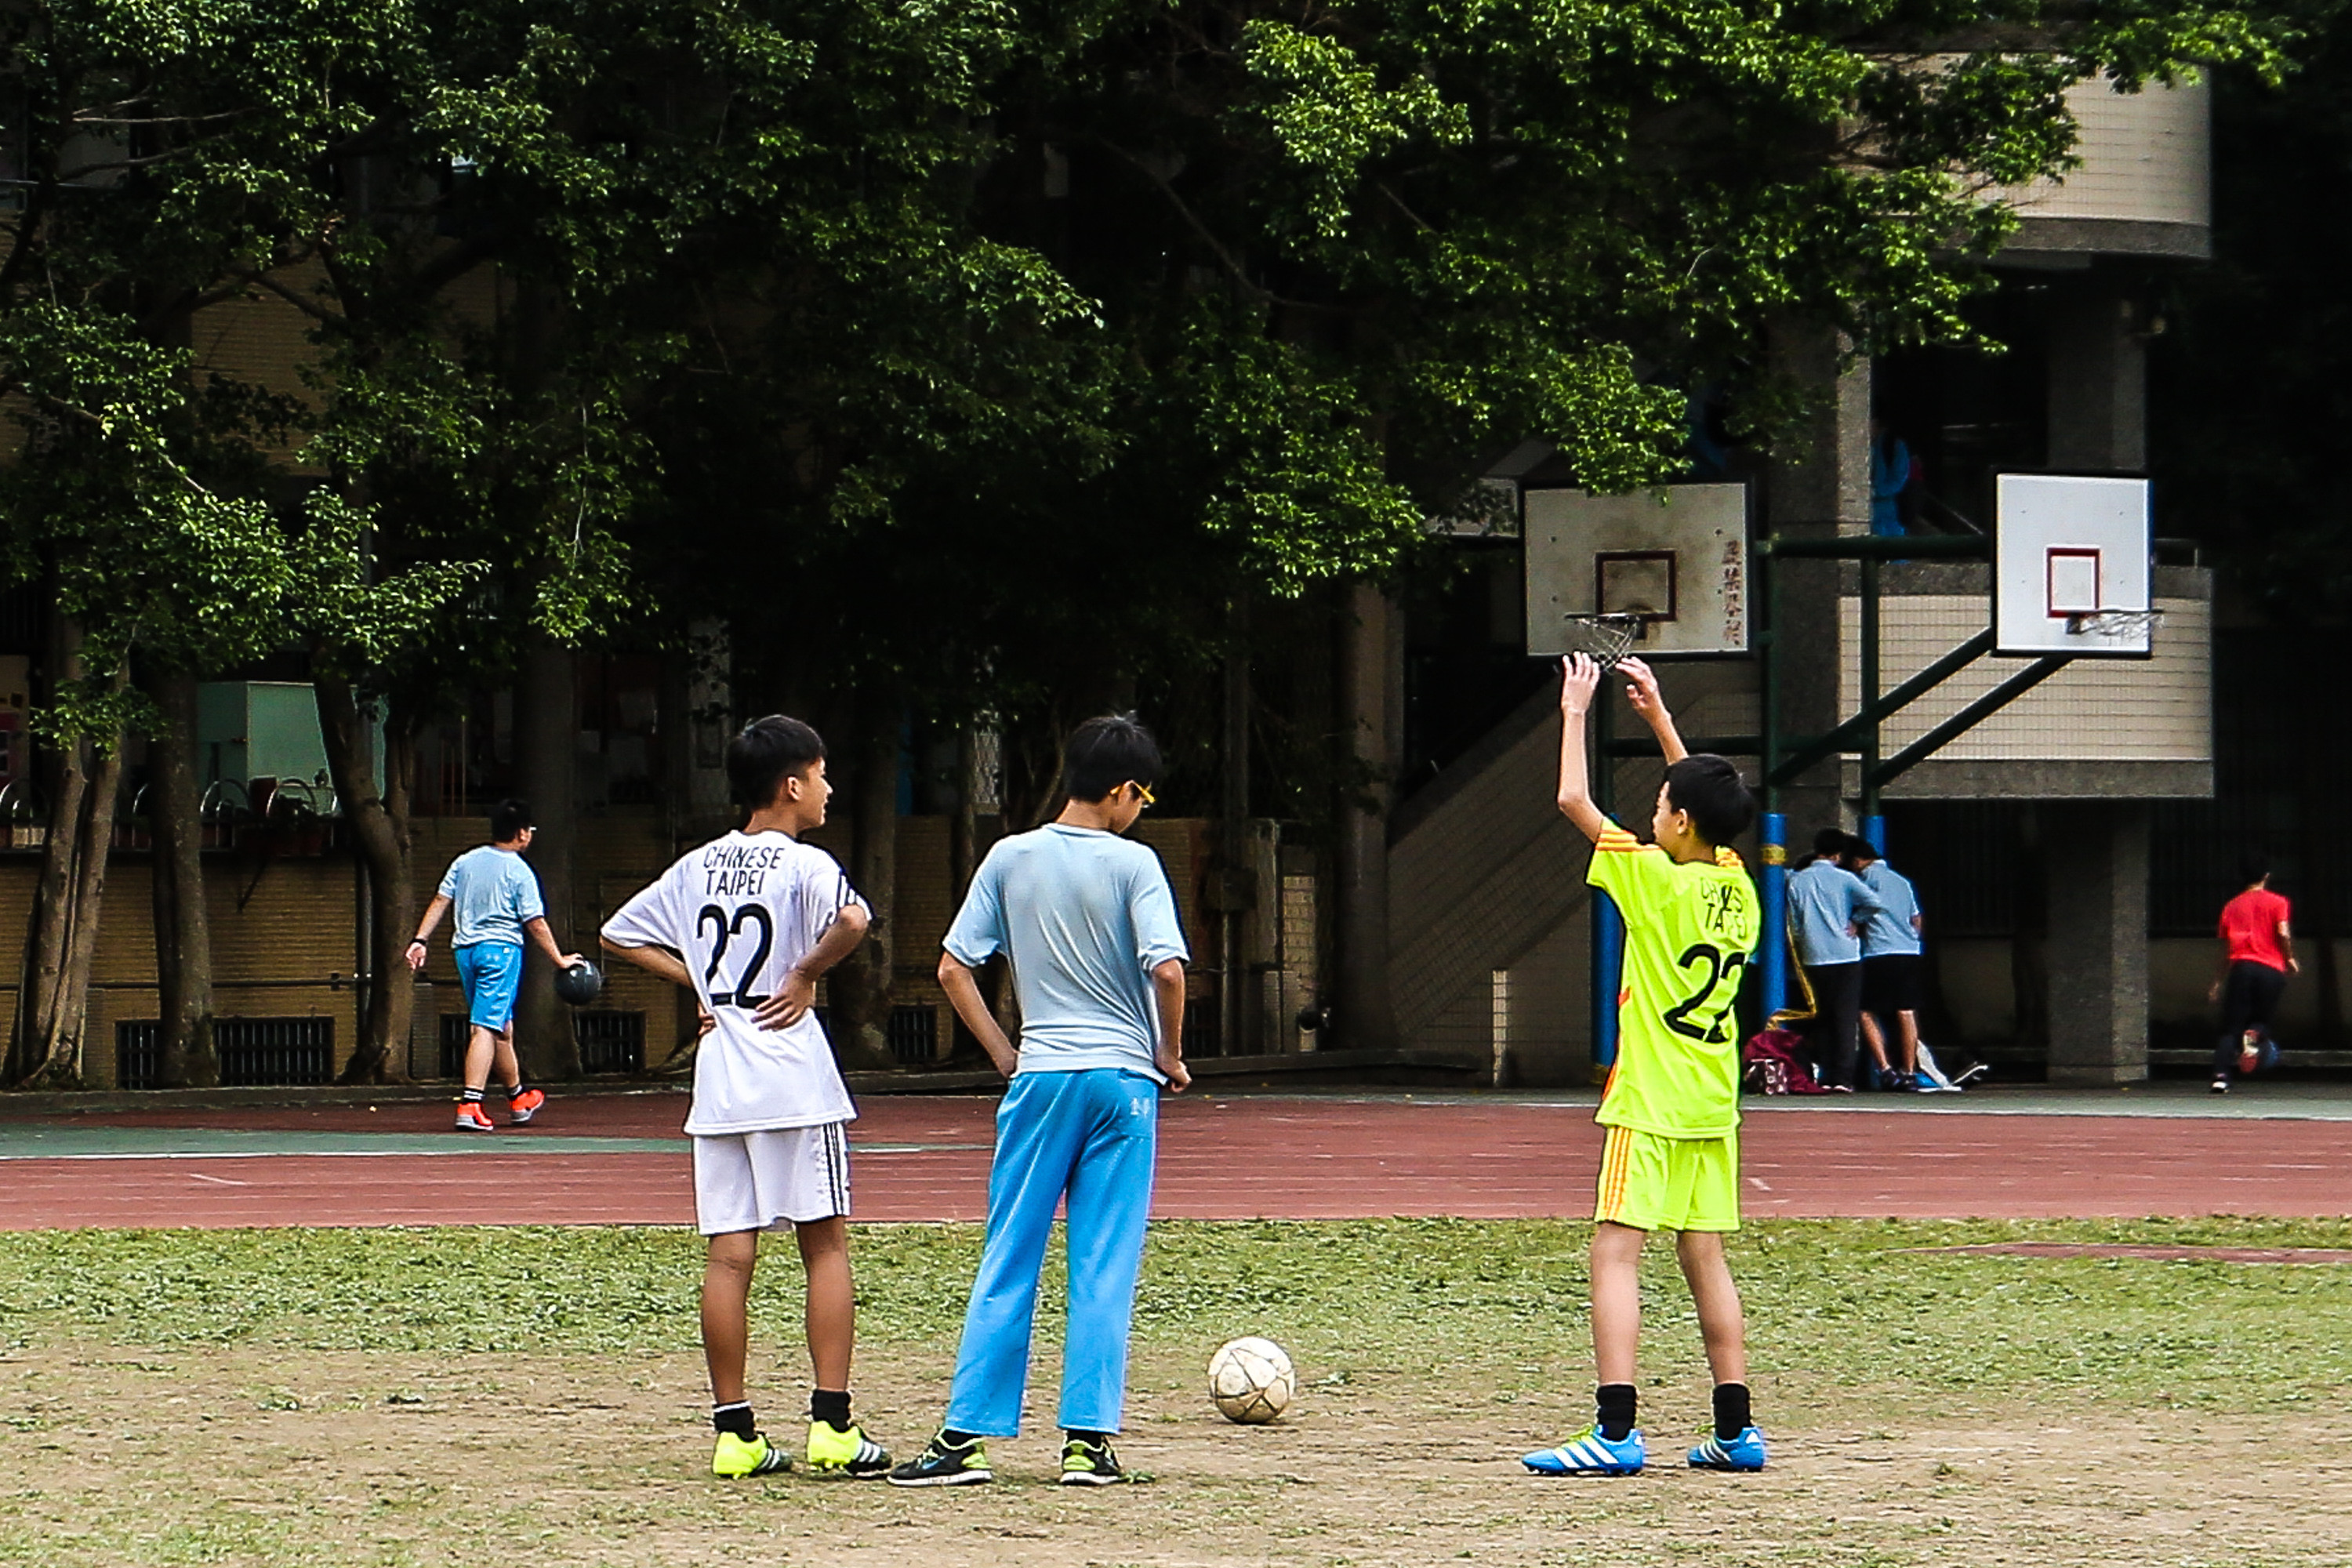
(1690, 930)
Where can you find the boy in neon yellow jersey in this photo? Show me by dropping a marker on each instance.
(1672, 1106)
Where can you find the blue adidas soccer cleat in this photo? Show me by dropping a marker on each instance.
(1745, 1452)
(1590, 1454)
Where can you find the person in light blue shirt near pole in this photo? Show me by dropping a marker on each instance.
(1088, 923)
(1828, 906)
(1892, 966)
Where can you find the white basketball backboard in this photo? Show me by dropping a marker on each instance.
(1675, 557)
(2067, 549)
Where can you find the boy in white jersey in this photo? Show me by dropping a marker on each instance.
(750, 920)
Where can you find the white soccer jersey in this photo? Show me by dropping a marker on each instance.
(742, 911)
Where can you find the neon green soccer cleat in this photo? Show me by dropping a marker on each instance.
(735, 1457)
(831, 1452)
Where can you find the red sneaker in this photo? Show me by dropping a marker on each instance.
(526, 1105)
(2250, 1051)
(472, 1118)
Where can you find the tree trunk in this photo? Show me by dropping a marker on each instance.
(54, 1000)
(547, 736)
(384, 846)
(861, 986)
(184, 950)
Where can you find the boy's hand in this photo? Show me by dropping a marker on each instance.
(1641, 688)
(1180, 1076)
(1580, 677)
(789, 1004)
(416, 956)
(705, 1020)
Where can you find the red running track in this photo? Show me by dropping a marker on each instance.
(1223, 1159)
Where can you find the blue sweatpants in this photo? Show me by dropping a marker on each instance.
(1090, 1136)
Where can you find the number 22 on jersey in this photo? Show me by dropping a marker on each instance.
(724, 931)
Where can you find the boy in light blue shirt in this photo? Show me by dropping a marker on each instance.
(1828, 906)
(495, 897)
(1892, 972)
(1088, 923)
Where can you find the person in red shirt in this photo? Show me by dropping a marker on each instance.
(2257, 955)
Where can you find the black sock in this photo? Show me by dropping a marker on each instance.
(515, 1092)
(735, 1418)
(830, 1406)
(473, 1097)
(1080, 1435)
(951, 1438)
(1615, 1404)
(1731, 1412)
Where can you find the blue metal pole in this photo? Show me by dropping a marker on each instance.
(1608, 977)
(1874, 829)
(1773, 961)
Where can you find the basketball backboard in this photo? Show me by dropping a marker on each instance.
(1676, 558)
(2071, 566)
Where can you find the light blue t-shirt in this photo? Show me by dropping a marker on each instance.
(1084, 916)
(1826, 899)
(1890, 930)
(491, 892)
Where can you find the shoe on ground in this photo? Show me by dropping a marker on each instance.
(525, 1106)
(754, 1456)
(2220, 1086)
(472, 1118)
(831, 1452)
(1743, 1452)
(1590, 1454)
(942, 1464)
(1090, 1462)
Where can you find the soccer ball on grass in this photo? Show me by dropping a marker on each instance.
(1250, 1381)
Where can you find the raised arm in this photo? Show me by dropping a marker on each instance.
(1580, 677)
(1642, 691)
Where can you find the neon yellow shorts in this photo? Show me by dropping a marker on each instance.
(1652, 1182)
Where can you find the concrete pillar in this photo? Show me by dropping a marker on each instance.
(2098, 383)
(1818, 485)
(2095, 853)
(1363, 1013)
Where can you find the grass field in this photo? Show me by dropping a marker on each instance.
(459, 1396)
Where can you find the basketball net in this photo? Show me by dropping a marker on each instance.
(2114, 622)
(1604, 639)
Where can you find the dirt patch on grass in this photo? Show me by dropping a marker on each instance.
(246, 1456)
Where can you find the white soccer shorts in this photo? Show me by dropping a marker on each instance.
(757, 1181)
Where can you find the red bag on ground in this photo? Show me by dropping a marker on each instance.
(1775, 1067)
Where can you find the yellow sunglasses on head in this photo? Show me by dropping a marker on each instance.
(1150, 800)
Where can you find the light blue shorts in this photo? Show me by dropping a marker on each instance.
(491, 973)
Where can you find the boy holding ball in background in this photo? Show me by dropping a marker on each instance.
(1672, 1106)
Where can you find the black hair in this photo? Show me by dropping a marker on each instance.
(508, 820)
(1105, 752)
(1708, 788)
(2253, 866)
(1862, 848)
(1831, 842)
(764, 752)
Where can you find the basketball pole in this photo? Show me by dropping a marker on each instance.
(1874, 824)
